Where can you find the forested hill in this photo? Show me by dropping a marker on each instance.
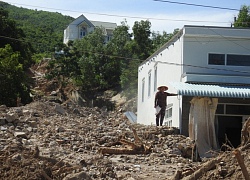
(43, 29)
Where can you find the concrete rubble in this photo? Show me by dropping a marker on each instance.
(46, 140)
(74, 134)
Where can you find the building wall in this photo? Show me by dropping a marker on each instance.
(71, 32)
(167, 71)
(198, 42)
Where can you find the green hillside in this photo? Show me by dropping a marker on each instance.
(44, 30)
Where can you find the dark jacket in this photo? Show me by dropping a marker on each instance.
(161, 98)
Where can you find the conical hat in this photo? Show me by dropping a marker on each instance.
(163, 86)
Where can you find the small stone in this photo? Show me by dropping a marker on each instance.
(11, 117)
(163, 170)
(2, 121)
(59, 109)
(3, 128)
(168, 161)
(76, 111)
(137, 166)
(16, 157)
(33, 123)
(46, 122)
(29, 129)
(53, 93)
(3, 108)
(76, 176)
(60, 129)
(20, 134)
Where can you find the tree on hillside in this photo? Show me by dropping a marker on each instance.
(15, 58)
(159, 40)
(243, 19)
(63, 66)
(140, 48)
(91, 60)
(14, 36)
(44, 30)
(143, 43)
(98, 69)
(120, 50)
(12, 78)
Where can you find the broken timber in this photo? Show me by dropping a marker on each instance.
(241, 163)
(245, 133)
(205, 167)
(136, 147)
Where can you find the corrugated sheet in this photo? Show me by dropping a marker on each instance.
(187, 89)
(131, 116)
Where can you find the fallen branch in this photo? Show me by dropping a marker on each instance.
(204, 168)
(136, 147)
(137, 139)
(110, 150)
(241, 163)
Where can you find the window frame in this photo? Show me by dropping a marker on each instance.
(149, 82)
(214, 61)
(237, 60)
(83, 31)
(155, 78)
(142, 89)
(229, 62)
(222, 109)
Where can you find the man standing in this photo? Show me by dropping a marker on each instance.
(161, 101)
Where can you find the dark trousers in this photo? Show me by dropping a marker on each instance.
(160, 116)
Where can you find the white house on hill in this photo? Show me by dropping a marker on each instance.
(206, 65)
(81, 26)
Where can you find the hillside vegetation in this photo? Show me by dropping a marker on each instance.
(44, 30)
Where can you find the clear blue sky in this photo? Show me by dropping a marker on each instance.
(163, 16)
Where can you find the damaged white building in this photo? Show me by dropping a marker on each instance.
(209, 68)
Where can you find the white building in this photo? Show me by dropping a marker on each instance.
(81, 26)
(200, 61)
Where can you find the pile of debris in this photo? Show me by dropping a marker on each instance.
(45, 140)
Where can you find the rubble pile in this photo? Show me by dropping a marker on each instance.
(226, 165)
(45, 140)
